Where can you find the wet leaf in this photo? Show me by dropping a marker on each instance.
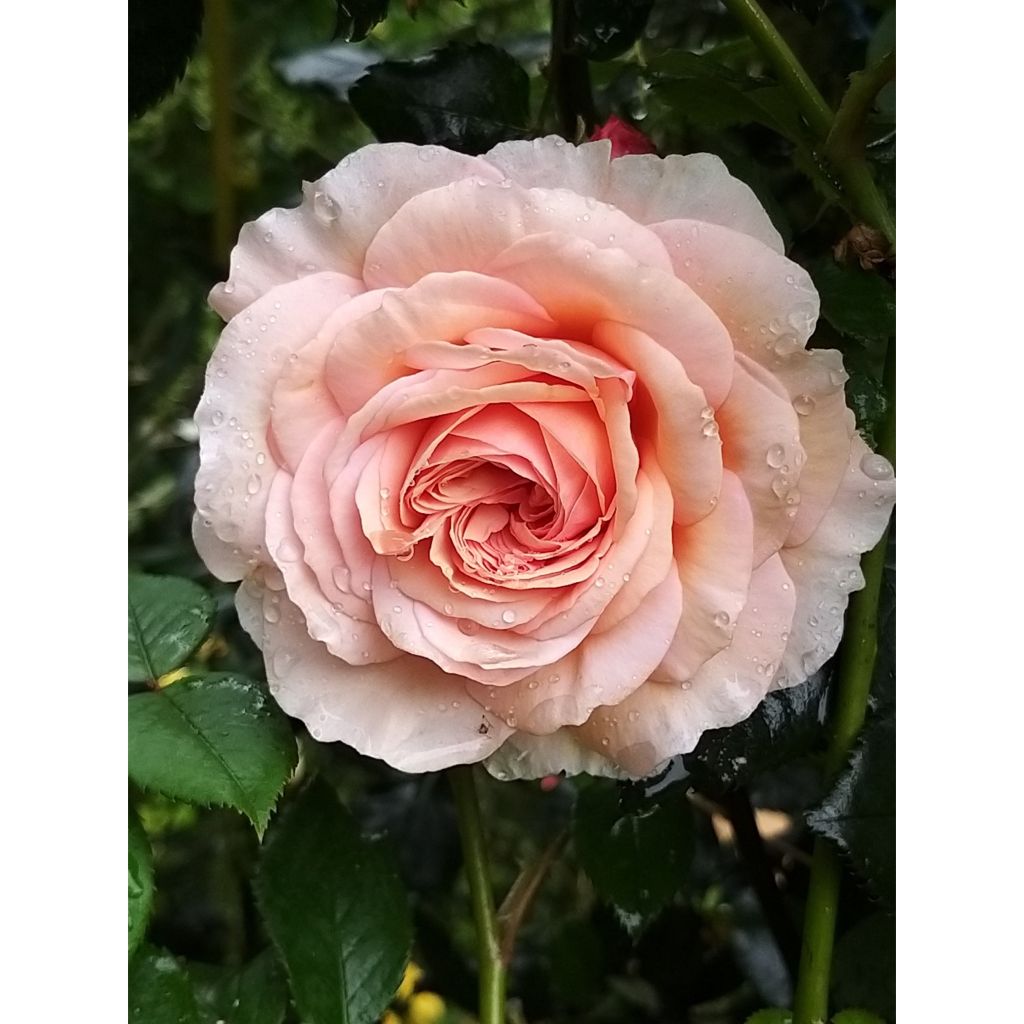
(604, 29)
(168, 618)
(216, 739)
(357, 17)
(334, 906)
(161, 38)
(255, 994)
(859, 813)
(787, 724)
(158, 990)
(857, 303)
(140, 881)
(615, 831)
(465, 97)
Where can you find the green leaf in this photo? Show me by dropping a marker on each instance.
(140, 881)
(214, 739)
(615, 831)
(465, 97)
(161, 38)
(334, 906)
(859, 813)
(604, 29)
(855, 302)
(857, 1017)
(256, 994)
(786, 725)
(864, 966)
(159, 990)
(357, 17)
(168, 618)
(771, 1017)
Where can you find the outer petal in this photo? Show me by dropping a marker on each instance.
(761, 445)
(661, 720)
(236, 463)
(715, 559)
(337, 219)
(605, 669)
(648, 188)
(463, 226)
(770, 307)
(406, 712)
(826, 567)
(523, 756)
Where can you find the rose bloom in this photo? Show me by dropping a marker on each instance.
(524, 458)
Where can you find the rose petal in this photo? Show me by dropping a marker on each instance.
(826, 567)
(337, 219)
(236, 462)
(423, 727)
(660, 720)
(524, 756)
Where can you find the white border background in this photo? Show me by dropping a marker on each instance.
(961, 434)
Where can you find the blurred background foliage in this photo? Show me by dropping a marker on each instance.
(265, 100)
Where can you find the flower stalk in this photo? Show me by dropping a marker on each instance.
(478, 874)
(853, 686)
(848, 163)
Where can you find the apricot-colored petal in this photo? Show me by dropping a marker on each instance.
(236, 461)
(463, 226)
(337, 219)
(826, 567)
(524, 756)
(406, 712)
(715, 560)
(581, 285)
(761, 445)
(661, 719)
(367, 354)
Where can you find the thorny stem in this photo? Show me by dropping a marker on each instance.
(218, 48)
(474, 854)
(853, 685)
(851, 169)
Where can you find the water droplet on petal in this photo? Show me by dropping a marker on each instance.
(710, 429)
(289, 550)
(508, 616)
(775, 456)
(876, 467)
(325, 207)
(722, 619)
(804, 405)
(468, 626)
(253, 484)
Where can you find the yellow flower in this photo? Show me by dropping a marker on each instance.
(425, 1008)
(413, 974)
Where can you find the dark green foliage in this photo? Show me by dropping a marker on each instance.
(159, 990)
(255, 994)
(786, 725)
(217, 739)
(161, 38)
(635, 850)
(859, 814)
(167, 620)
(140, 882)
(855, 302)
(603, 29)
(334, 906)
(864, 966)
(467, 98)
(357, 17)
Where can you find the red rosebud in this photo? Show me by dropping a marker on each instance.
(625, 138)
(549, 782)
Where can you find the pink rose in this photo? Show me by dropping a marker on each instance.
(524, 457)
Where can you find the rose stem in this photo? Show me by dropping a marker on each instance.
(847, 158)
(853, 685)
(474, 854)
(569, 74)
(218, 49)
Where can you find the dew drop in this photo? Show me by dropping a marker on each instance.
(508, 616)
(288, 550)
(272, 613)
(341, 576)
(253, 484)
(599, 582)
(625, 577)
(804, 405)
(875, 467)
(282, 661)
(784, 345)
(229, 287)
(325, 207)
(775, 456)
(633, 715)
(722, 619)
(468, 626)
(217, 418)
(385, 493)
(710, 429)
